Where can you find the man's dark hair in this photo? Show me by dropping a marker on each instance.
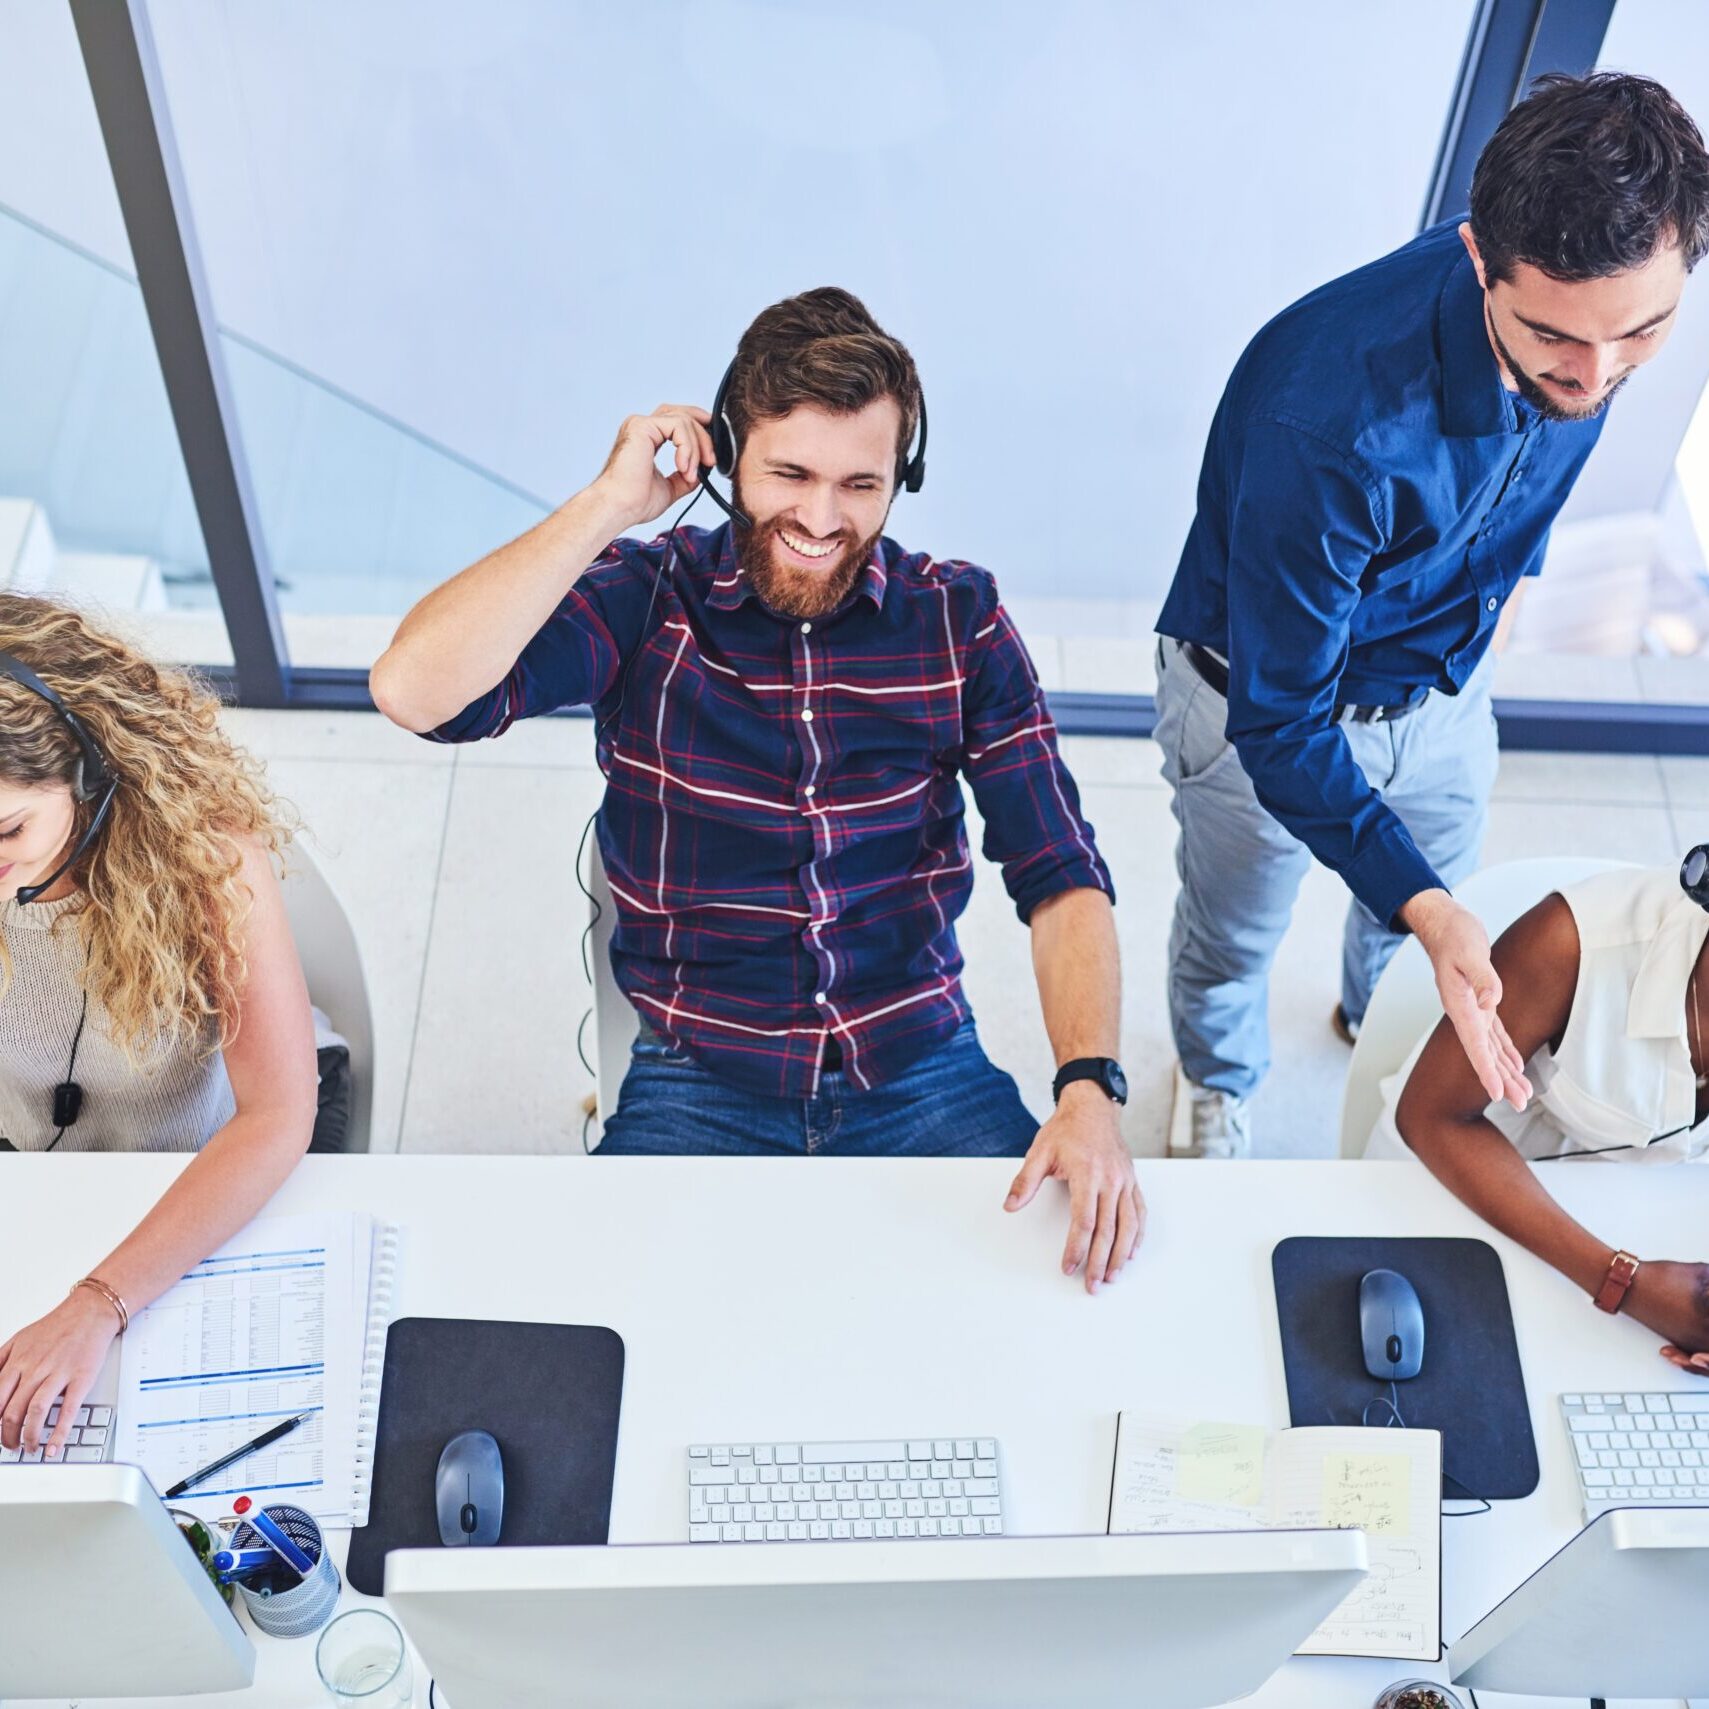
(1590, 176)
(821, 348)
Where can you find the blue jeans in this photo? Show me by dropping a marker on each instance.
(953, 1102)
(1240, 869)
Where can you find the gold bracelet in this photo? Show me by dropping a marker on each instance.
(109, 1296)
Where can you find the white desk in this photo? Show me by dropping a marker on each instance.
(846, 1299)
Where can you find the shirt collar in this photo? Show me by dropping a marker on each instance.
(1656, 1009)
(1474, 401)
(730, 588)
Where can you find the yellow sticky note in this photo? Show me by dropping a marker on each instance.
(1222, 1463)
(1371, 1491)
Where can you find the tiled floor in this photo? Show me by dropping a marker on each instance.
(456, 866)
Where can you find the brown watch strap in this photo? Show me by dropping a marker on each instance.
(1622, 1271)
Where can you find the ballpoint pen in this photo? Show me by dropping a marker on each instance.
(236, 1454)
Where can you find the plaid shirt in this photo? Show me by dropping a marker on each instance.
(783, 826)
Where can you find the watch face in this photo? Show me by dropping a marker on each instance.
(1115, 1082)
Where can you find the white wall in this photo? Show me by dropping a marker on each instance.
(510, 224)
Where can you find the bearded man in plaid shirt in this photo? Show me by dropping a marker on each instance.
(786, 706)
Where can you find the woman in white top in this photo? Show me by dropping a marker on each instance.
(150, 996)
(1605, 995)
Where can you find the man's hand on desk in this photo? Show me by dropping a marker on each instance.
(1082, 1146)
(57, 1355)
(1673, 1300)
(1458, 946)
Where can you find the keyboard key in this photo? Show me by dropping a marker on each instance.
(840, 1528)
(762, 1457)
(102, 1415)
(817, 1530)
(985, 1449)
(993, 1527)
(789, 1454)
(943, 1450)
(703, 1533)
(964, 1450)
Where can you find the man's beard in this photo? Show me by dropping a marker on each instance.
(1537, 398)
(793, 590)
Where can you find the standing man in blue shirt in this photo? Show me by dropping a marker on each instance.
(1383, 469)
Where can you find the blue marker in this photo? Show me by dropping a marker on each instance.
(269, 1532)
(240, 1561)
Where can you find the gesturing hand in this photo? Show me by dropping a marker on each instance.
(631, 481)
(1470, 988)
(1082, 1146)
(57, 1356)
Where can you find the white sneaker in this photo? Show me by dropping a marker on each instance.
(1205, 1123)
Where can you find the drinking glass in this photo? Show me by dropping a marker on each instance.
(362, 1661)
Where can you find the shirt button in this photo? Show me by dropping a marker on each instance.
(1491, 605)
(807, 716)
(818, 996)
(812, 789)
(806, 628)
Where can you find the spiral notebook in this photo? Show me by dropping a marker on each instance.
(288, 1317)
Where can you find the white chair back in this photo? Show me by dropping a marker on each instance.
(1404, 1004)
(332, 968)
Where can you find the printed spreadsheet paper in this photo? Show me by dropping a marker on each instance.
(1176, 1475)
(284, 1319)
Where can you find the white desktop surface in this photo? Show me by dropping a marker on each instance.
(770, 1299)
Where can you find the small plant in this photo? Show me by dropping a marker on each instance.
(1417, 1694)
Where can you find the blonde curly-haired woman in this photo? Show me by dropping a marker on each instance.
(150, 994)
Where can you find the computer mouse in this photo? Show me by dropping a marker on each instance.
(1391, 1325)
(469, 1490)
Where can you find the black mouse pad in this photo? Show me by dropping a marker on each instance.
(1470, 1386)
(549, 1392)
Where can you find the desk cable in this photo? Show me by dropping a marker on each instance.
(1390, 1403)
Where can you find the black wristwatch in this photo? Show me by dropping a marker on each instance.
(1104, 1069)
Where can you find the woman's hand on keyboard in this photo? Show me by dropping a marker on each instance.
(1082, 1146)
(1673, 1300)
(60, 1354)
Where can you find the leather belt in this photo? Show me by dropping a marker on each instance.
(1215, 675)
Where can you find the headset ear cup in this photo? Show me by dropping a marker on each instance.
(724, 445)
(914, 476)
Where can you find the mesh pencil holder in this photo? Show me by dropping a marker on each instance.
(306, 1606)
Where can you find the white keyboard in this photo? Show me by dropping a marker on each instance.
(1640, 1450)
(90, 1438)
(815, 1492)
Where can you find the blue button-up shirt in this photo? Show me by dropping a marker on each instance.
(1371, 495)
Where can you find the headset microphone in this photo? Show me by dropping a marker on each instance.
(94, 776)
(910, 468)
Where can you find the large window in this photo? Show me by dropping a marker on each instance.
(439, 251)
(94, 501)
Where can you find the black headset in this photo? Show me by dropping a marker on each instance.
(94, 778)
(910, 467)
(1694, 875)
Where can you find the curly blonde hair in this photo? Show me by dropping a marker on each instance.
(162, 899)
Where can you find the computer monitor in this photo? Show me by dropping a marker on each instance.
(101, 1596)
(1171, 1622)
(1621, 1611)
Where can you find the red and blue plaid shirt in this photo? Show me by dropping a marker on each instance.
(783, 825)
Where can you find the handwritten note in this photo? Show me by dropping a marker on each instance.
(1222, 1463)
(1178, 1475)
(1370, 1491)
